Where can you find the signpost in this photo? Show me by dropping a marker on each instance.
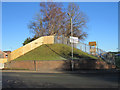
(73, 40)
(92, 43)
(93, 49)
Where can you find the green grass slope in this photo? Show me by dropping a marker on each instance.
(54, 52)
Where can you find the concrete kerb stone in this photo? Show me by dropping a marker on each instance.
(66, 72)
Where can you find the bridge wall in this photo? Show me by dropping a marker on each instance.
(3, 60)
(30, 46)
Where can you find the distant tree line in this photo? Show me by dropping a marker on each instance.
(54, 19)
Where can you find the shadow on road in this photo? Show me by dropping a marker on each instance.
(110, 75)
(46, 80)
(20, 80)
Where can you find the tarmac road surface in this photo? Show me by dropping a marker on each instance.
(59, 80)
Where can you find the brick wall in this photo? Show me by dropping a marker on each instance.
(20, 65)
(57, 65)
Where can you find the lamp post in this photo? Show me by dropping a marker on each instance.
(72, 41)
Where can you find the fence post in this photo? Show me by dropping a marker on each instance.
(80, 47)
(97, 52)
(54, 39)
(85, 47)
(90, 50)
(35, 64)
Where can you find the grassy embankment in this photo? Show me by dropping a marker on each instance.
(54, 52)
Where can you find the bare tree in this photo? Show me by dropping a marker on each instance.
(37, 26)
(54, 20)
(53, 17)
(79, 21)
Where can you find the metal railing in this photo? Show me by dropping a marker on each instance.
(106, 56)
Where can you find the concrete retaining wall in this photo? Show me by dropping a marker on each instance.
(30, 46)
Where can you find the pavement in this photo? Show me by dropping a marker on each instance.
(68, 79)
(74, 71)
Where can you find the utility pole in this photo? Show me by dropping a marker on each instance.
(72, 46)
(71, 42)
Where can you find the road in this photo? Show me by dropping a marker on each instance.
(59, 80)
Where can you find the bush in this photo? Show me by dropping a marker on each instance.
(117, 61)
(28, 40)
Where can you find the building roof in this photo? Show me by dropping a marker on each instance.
(2, 54)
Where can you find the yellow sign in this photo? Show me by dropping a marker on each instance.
(92, 43)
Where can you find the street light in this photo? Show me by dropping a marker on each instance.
(71, 42)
